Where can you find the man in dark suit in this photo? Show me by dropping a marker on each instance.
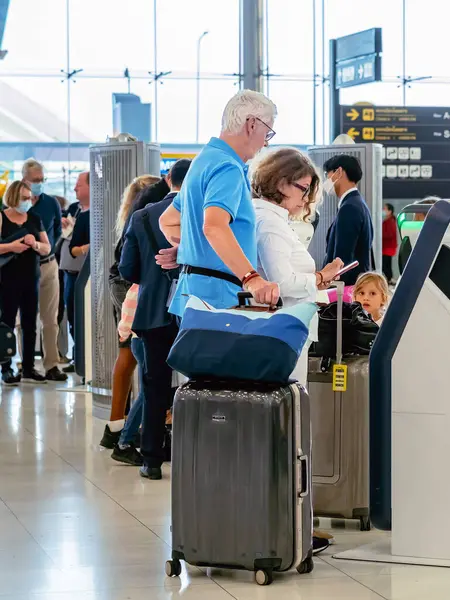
(350, 236)
(152, 322)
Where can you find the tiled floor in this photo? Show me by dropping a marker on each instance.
(74, 525)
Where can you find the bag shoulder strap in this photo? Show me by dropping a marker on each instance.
(1, 223)
(150, 233)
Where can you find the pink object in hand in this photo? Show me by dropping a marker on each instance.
(348, 291)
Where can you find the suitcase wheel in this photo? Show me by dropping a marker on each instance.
(173, 568)
(264, 576)
(364, 524)
(307, 566)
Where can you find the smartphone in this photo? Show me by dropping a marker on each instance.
(347, 268)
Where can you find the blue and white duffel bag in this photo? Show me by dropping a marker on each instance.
(244, 343)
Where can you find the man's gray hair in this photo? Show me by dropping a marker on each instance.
(245, 104)
(31, 163)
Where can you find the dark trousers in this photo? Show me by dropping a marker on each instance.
(24, 297)
(387, 267)
(69, 298)
(158, 391)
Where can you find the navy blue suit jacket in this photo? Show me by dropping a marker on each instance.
(137, 264)
(350, 236)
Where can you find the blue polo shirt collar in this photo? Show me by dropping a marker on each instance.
(221, 145)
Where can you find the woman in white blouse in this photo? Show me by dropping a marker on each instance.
(286, 183)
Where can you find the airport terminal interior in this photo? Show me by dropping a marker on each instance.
(214, 476)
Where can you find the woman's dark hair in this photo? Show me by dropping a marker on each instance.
(390, 208)
(286, 165)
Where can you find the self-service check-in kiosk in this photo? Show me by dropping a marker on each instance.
(410, 408)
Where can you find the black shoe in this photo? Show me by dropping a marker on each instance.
(9, 378)
(110, 438)
(33, 376)
(129, 455)
(319, 545)
(154, 473)
(55, 375)
(70, 368)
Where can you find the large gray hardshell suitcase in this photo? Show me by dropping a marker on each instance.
(340, 433)
(241, 478)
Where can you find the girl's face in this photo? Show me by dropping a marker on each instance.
(370, 297)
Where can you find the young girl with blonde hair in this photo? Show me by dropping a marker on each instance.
(372, 292)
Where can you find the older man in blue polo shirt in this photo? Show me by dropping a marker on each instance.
(213, 215)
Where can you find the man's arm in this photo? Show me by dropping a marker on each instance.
(79, 244)
(170, 224)
(217, 230)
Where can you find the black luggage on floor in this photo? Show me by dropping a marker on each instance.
(241, 478)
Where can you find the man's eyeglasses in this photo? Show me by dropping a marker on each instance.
(270, 134)
(302, 188)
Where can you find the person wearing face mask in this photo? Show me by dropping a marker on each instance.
(48, 210)
(350, 236)
(390, 242)
(23, 241)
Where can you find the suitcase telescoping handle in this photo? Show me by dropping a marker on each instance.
(244, 296)
(340, 306)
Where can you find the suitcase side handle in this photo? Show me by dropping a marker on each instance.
(303, 484)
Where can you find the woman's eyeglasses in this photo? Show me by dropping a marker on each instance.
(302, 188)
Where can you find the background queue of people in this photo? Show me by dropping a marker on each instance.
(42, 249)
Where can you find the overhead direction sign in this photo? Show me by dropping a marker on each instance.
(358, 71)
(416, 140)
(359, 44)
(354, 59)
(358, 58)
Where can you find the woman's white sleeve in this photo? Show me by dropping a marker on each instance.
(274, 253)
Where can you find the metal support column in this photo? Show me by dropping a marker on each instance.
(252, 38)
(335, 125)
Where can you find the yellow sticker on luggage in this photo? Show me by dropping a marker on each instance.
(339, 378)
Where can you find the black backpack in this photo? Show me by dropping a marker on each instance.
(358, 331)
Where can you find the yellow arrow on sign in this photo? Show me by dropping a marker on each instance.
(352, 132)
(353, 114)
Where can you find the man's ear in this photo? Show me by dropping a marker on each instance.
(168, 179)
(250, 125)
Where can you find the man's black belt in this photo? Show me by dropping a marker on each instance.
(188, 270)
(47, 259)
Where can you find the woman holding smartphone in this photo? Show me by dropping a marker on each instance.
(286, 184)
(20, 276)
